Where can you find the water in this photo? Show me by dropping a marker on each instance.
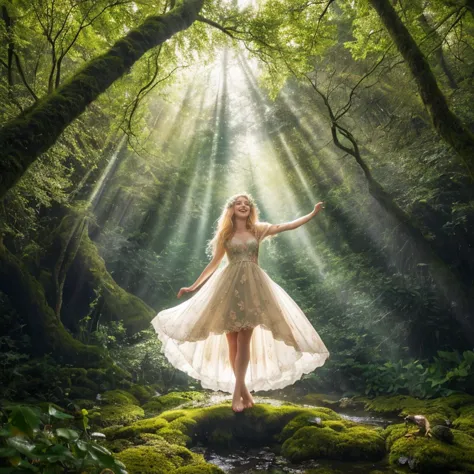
(251, 460)
(263, 459)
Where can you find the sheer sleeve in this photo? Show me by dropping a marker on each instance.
(262, 229)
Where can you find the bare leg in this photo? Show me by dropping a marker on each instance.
(241, 363)
(232, 342)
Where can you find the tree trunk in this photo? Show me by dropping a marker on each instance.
(86, 275)
(446, 123)
(25, 138)
(47, 334)
(439, 53)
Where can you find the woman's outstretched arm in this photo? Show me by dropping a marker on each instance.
(277, 228)
(207, 272)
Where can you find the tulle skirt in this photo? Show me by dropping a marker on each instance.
(283, 347)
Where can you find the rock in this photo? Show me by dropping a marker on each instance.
(443, 433)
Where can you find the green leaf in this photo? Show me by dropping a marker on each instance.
(469, 356)
(67, 433)
(7, 452)
(24, 419)
(58, 414)
(22, 445)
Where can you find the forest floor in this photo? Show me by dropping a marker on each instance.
(187, 432)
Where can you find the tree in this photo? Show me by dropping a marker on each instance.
(25, 138)
(446, 123)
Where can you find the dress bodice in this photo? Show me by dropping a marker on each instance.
(242, 249)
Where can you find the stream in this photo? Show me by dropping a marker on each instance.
(263, 459)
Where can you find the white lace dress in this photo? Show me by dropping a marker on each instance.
(284, 344)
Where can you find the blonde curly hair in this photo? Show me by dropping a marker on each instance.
(225, 223)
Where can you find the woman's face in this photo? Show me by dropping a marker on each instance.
(242, 207)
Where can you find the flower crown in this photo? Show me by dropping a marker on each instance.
(231, 201)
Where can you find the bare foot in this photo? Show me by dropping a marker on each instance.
(237, 404)
(247, 398)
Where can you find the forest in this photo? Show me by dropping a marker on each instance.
(126, 125)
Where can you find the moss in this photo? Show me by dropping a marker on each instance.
(142, 392)
(150, 425)
(437, 411)
(108, 415)
(174, 436)
(199, 469)
(313, 442)
(173, 399)
(118, 445)
(320, 400)
(118, 304)
(465, 420)
(221, 437)
(337, 425)
(394, 432)
(145, 460)
(119, 397)
(159, 457)
(308, 418)
(430, 455)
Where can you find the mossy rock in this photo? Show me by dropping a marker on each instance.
(432, 456)
(174, 436)
(118, 445)
(118, 397)
(109, 415)
(161, 403)
(142, 392)
(221, 437)
(438, 411)
(146, 460)
(394, 432)
(316, 442)
(320, 400)
(309, 418)
(199, 469)
(465, 420)
(150, 425)
(158, 456)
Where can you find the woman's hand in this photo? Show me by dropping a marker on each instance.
(318, 207)
(185, 290)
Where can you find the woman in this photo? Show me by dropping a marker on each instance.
(240, 317)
